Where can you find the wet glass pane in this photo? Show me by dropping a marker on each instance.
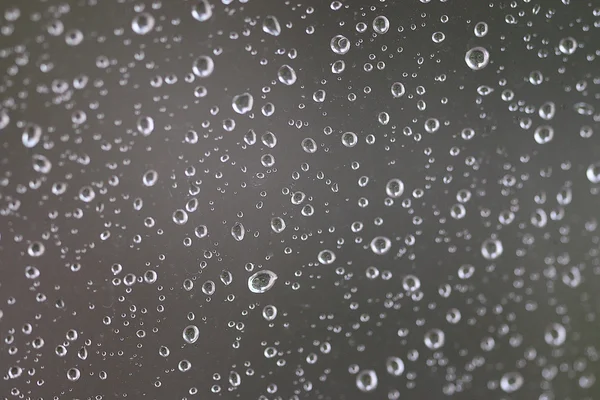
(252, 199)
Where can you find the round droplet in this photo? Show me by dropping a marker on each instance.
(543, 134)
(326, 257)
(398, 90)
(394, 366)
(143, 23)
(41, 164)
(191, 334)
(438, 37)
(434, 339)
(555, 334)
(145, 125)
(477, 58)
(286, 75)
(269, 313)
(242, 103)
(567, 45)
(340, 44)
(262, 281)
(394, 188)
(87, 194)
(349, 139)
(209, 288)
(411, 283)
(201, 231)
(184, 365)
(511, 382)
(338, 67)
(180, 217)
(593, 172)
(381, 24)
(381, 245)
(309, 145)
(547, 110)
(491, 249)
(366, 380)
(277, 224)
(271, 25)
(466, 271)
(73, 374)
(201, 10)
(203, 66)
(481, 29)
(319, 96)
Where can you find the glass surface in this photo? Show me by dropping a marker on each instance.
(299, 200)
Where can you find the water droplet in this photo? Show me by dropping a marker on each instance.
(491, 249)
(511, 382)
(277, 224)
(394, 366)
(143, 23)
(555, 334)
(366, 380)
(381, 245)
(203, 66)
(434, 339)
(31, 135)
(150, 177)
(381, 24)
(477, 58)
(593, 172)
(567, 45)
(271, 25)
(481, 29)
(309, 145)
(326, 257)
(394, 188)
(73, 374)
(543, 134)
(238, 231)
(286, 75)
(201, 10)
(340, 44)
(180, 217)
(262, 281)
(269, 313)
(191, 334)
(398, 90)
(242, 103)
(145, 125)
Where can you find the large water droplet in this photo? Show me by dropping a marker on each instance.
(143, 23)
(191, 334)
(271, 25)
(203, 66)
(381, 24)
(394, 188)
(262, 281)
(238, 231)
(340, 44)
(477, 58)
(491, 249)
(286, 75)
(366, 380)
(201, 10)
(242, 103)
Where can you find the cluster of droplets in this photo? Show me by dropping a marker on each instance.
(357, 219)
